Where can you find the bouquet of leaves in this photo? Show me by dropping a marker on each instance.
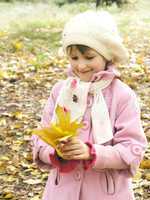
(63, 129)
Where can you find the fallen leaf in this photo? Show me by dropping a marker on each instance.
(145, 164)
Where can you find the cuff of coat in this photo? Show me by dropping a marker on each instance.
(89, 163)
(63, 165)
(38, 155)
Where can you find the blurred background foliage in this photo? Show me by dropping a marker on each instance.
(62, 2)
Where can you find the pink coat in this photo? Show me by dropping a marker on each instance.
(110, 176)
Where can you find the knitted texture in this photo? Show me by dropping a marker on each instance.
(98, 31)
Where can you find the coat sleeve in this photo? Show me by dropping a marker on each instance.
(129, 140)
(43, 154)
(41, 150)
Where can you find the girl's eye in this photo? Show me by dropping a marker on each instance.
(90, 57)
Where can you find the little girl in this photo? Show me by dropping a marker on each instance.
(98, 164)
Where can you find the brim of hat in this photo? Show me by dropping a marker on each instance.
(111, 49)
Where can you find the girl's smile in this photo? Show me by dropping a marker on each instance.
(85, 64)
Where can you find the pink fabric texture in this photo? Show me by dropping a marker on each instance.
(64, 166)
(108, 175)
(89, 163)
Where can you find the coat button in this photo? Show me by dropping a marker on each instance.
(77, 175)
(85, 125)
(136, 149)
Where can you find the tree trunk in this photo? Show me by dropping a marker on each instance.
(98, 3)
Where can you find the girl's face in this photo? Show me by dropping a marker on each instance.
(85, 64)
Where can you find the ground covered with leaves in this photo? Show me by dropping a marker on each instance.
(27, 73)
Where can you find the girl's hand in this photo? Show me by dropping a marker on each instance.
(74, 149)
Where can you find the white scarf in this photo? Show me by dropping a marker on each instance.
(73, 96)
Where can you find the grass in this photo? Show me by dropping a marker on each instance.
(39, 25)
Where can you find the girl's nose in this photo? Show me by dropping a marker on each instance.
(82, 67)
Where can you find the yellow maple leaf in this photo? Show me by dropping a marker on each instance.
(63, 128)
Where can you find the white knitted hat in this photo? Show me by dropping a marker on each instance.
(98, 31)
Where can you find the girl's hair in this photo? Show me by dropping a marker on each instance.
(81, 48)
